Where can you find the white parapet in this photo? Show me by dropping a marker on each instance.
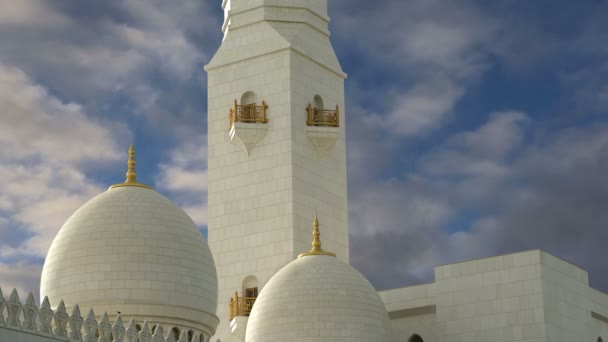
(28, 322)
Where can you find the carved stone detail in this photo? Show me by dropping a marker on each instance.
(75, 322)
(42, 320)
(159, 335)
(14, 310)
(105, 329)
(61, 321)
(118, 330)
(170, 337)
(30, 311)
(145, 335)
(90, 327)
(2, 305)
(131, 332)
(45, 316)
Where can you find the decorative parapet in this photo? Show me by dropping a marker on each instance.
(250, 113)
(321, 117)
(30, 319)
(241, 306)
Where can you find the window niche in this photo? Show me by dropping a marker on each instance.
(323, 126)
(248, 121)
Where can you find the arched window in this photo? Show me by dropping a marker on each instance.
(318, 102)
(415, 338)
(190, 334)
(599, 339)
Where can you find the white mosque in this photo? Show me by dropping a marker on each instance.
(131, 266)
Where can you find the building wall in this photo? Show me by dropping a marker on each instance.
(493, 299)
(566, 307)
(598, 325)
(528, 296)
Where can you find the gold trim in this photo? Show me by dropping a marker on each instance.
(131, 173)
(316, 242)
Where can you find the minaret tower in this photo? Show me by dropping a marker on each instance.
(276, 124)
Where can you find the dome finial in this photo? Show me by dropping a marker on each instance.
(316, 241)
(131, 173)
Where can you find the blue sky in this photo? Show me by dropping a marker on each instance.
(474, 128)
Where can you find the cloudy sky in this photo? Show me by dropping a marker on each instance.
(492, 119)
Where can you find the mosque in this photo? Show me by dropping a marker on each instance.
(129, 265)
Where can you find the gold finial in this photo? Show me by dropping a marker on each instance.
(131, 173)
(316, 241)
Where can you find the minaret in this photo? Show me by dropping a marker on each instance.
(276, 147)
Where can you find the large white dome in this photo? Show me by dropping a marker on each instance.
(131, 250)
(318, 297)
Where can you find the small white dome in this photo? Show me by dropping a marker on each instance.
(320, 298)
(131, 250)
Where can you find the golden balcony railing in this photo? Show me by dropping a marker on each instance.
(320, 117)
(250, 113)
(240, 306)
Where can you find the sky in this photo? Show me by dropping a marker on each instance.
(474, 128)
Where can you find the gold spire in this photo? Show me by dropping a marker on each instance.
(316, 242)
(131, 174)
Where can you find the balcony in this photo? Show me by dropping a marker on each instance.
(321, 117)
(250, 113)
(323, 129)
(240, 306)
(244, 125)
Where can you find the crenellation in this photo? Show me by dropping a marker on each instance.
(144, 334)
(30, 313)
(158, 334)
(61, 326)
(45, 317)
(14, 311)
(2, 306)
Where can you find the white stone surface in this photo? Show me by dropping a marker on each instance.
(247, 135)
(131, 250)
(318, 299)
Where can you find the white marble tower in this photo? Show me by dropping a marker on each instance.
(273, 159)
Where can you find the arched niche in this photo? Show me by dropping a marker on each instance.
(318, 102)
(250, 286)
(248, 98)
(175, 331)
(415, 338)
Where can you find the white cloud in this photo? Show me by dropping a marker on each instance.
(435, 51)
(45, 144)
(29, 12)
(21, 276)
(184, 176)
(422, 108)
(481, 152)
(38, 125)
